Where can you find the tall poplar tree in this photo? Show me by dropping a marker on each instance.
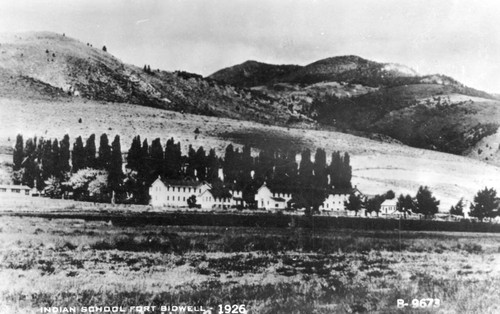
(201, 164)
(155, 160)
(104, 156)
(18, 153)
(320, 171)
(78, 155)
(173, 160)
(31, 173)
(47, 161)
(115, 176)
(212, 166)
(134, 154)
(64, 155)
(54, 159)
(191, 162)
(90, 152)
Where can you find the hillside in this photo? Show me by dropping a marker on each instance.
(377, 166)
(44, 65)
(367, 98)
(253, 73)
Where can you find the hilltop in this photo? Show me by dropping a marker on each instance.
(253, 73)
(46, 65)
(368, 98)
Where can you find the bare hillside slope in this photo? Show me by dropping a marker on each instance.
(65, 65)
(377, 166)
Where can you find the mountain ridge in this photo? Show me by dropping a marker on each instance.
(354, 94)
(345, 93)
(69, 66)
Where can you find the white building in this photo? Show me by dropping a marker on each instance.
(271, 199)
(15, 190)
(169, 193)
(389, 207)
(211, 199)
(175, 193)
(335, 202)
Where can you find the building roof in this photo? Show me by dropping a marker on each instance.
(20, 187)
(275, 188)
(392, 202)
(278, 199)
(183, 183)
(217, 193)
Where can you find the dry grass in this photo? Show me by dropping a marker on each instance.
(67, 262)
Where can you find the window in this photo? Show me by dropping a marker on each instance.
(183, 189)
(183, 198)
(178, 198)
(27, 192)
(167, 198)
(178, 189)
(16, 191)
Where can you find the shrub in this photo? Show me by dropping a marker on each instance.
(473, 248)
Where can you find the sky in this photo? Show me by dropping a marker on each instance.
(454, 37)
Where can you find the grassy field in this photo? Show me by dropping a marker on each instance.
(78, 263)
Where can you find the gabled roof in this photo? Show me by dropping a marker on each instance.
(19, 187)
(278, 199)
(392, 202)
(183, 183)
(220, 193)
(276, 188)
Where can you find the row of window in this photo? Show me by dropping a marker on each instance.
(328, 206)
(173, 198)
(4, 190)
(206, 199)
(158, 189)
(282, 195)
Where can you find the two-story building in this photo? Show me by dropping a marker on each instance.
(335, 201)
(272, 198)
(170, 193)
(215, 199)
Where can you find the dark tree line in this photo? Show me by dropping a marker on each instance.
(309, 182)
(423, 202)
(38, 160)
(486, 204)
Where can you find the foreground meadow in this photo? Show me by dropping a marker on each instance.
(78, 263)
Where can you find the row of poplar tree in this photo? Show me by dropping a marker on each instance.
(38, 160)
(309, 181)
